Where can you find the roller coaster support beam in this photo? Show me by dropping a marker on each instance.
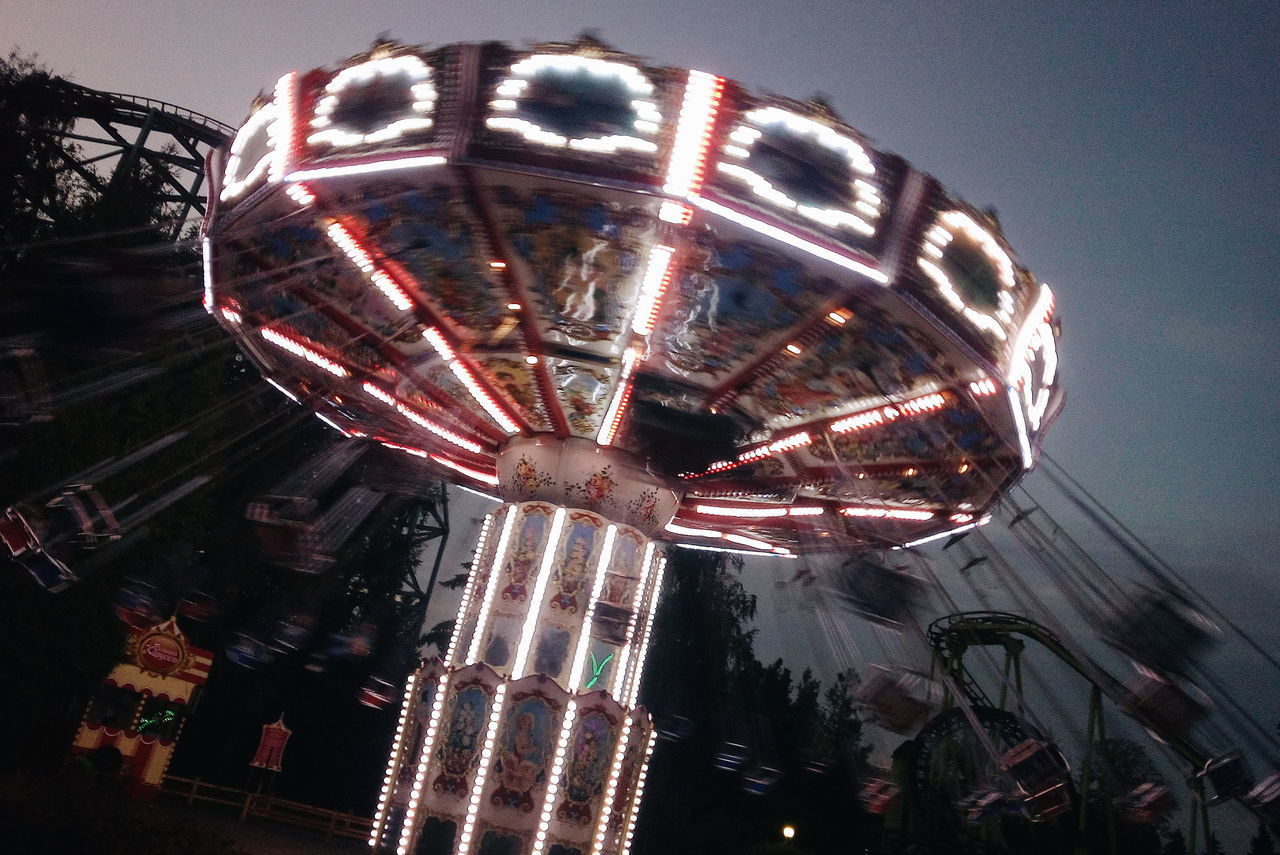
(1096, 735)
(1199, 813)
(1012, 662)
(953, 634)
(134, 130)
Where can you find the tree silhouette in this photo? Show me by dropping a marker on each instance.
(1175, 843)
(1262, 843)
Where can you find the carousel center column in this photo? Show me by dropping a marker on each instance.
(527, 739)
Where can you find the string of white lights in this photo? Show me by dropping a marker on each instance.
(621, 395)
(633, 690)
(410, 826)
(388, 164)
(469, 591)
(482, 771)
(482, 619)
(482, 477)
(638, 794)
(416, 79)
(530, 627)
(206, 268)
(1035, 336)
(297, 348)
(657, 275)
(588, 617)
(553, 782)
(238, 177)
(624, 655)
(948, 225)
(393, 763)
(866, 199)
(687, 163)
(611, 788)
(418, 418)
(282, 131)
(463, 373)
(647, 118)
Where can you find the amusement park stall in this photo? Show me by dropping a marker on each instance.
(140, 709)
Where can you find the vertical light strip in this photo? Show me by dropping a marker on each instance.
(233, 183)
(611, 789)
(206, 264)
(657, 275)
(1038, 314)
(1024, 441)
(469, 591)
(584, 635)
(621, 395)
(616, 684)
(637, 672)
(482, 619)
(393, 761)
(687, 165)
(284, 130)
(486, 760)
(535, 600)
(424, 760)
(1033, 403)
(553, 783)
(637, 793)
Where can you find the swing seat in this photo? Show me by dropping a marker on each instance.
(1148, 804)
(16, 534)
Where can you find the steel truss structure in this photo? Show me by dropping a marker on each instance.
(124, 131)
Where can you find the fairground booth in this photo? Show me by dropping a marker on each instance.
(132, 725)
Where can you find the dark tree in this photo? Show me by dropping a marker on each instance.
(35, 191)
(703, 668)
(1262, 843)
(1176, 843)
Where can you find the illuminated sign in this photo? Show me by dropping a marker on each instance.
(160, 653)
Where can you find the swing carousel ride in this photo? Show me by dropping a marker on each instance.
(641, 306)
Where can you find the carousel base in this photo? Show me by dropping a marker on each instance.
(517, 767)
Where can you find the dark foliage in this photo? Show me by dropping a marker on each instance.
(703, 667)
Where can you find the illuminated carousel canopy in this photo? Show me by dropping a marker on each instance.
(561, 274)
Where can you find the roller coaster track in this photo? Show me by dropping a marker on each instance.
(953, 634)
(130, 130)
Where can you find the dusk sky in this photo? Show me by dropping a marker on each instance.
(1132, 150)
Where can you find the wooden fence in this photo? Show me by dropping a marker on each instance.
(266, 806)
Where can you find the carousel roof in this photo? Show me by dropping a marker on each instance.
(817, 344)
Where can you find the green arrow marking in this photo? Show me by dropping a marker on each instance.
(596, 668)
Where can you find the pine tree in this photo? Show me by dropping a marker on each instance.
(1176, 844)
(1262, 844)
(34, 189)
